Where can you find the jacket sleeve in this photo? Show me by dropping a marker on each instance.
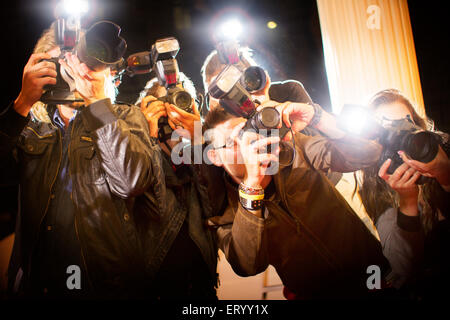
(347, 154)
(402, 240)
(240, 237)
(129, 156)
(11, 125)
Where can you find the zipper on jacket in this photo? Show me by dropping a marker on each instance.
(48, 201)
(75, 217)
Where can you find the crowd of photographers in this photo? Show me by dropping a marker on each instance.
(139, 198)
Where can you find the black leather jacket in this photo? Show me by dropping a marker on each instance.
(112, 159)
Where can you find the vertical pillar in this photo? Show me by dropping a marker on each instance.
(368, 46)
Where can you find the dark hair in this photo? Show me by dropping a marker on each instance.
(215, 117)
(376, 195)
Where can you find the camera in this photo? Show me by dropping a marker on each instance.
(396, 135)
(165, 66)
(228, 51)
(99, 47)
(230, 88)
(403, 134)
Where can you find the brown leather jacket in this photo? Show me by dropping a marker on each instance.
(316, 242)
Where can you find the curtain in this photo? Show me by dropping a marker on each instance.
(368, 46)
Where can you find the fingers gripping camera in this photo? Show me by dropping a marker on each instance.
(99, 47)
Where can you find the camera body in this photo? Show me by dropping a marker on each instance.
(418, 144)
(234, 98)
(395, 135)
(165, 66)
(99, 47)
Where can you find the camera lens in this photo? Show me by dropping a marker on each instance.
(422, 146)
(267, 118)
(183, 100)
(98, 49)
(254, 79)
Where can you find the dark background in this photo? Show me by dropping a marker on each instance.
(291, 51)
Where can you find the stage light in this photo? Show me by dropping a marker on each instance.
(271, 25)
(231, 29)
(75, 7)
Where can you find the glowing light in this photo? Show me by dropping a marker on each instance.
(74, 7)
(271, 25)
(231, 29)
(355, 121)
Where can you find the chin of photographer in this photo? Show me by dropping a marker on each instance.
(76, 169)
(411, 216)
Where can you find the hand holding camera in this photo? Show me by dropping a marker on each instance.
(403, 181)
(153, 109)
(36, 74)
(253, 148)
(294, 115)
(89, 84)
(438, 168)
(180, 118)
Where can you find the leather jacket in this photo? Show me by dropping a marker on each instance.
(112, 159)
(316, 242)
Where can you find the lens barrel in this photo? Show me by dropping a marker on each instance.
(421, 146)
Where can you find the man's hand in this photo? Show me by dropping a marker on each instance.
(180, 119)
(90, 84)
(36, 74)
(403, 181)
(438, 168)
(294, 115)
(153, 109)
(253, 148)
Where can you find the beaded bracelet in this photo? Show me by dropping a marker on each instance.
(251, 198)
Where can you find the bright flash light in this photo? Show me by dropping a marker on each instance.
(354, 119)
(74, 7)
(271, 25)
(231, 29)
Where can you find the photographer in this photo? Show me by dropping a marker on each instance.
(183, 252)
(295, 219)
(295, 96)
(290, 90)
(412, 219)
(77, 166)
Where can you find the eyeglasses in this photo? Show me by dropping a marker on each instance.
(229, 143)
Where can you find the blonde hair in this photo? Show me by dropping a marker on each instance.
(212, 64)
(153, 85)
